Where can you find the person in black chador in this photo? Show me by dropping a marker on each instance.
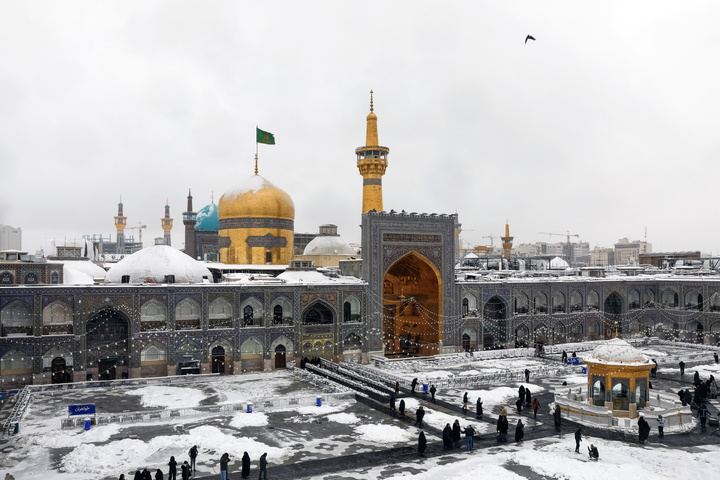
(578, 439)
(138, 475)
(432, 392)
(185, 470)
(402, 407)
(696, 379)
(456, 435)
(681, 394)
(422, 443)
(527, 396)
(653, 370)
(521, 392)
(519, 404)
(392, 402)
(643, 430)
(172, 466)
(413, 385)
(527, 376)
(447, 437)
(557, 414)
(519, 431)
(419, 414)
(158, 474)
(263, 467)
(564, 357)
(682, 367)
(715, 355)
(502, 425)
(193, 455)
(702, 415)
(479, 408)
(397, 387)
(245, 469)
(465, 402)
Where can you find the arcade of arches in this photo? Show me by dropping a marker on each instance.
(412, 302)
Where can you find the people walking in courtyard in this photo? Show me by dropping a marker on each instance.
(527, 376)
(447, 437)
(193, 455)
(402, 408)
(456, 433)
(696, 378)
(702, 415)
(469, 432)
(661, 426)
(563, 357)
(172, 469)
(715, 355)
(432, 392)
(478, 407)
(465, 402)
(392, 402)
(419, 414)
(519, 431)
(713, 388)
(146, 474)
(138, 475)
(519, 404)
(643, 429)
(185, 470)
(535, 406)
(397, 387)
(263, 467)
(245, 468)
(224, 460)
(422, 443)
(413, 384)
(521, 393)
(502, 425)
(158, 474)
(578, 439)
(557, 414)
(527, 396)
(682, 368)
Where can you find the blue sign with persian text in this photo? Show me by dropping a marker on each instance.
(88, 409)
(573, 361)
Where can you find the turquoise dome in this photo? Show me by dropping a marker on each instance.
(207, 218)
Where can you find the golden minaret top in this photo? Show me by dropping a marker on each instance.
(372, 162)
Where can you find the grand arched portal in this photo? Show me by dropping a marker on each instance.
(107, 342)
(412, 302)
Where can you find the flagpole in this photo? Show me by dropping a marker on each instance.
(256, 151)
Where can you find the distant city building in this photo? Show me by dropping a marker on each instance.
(627, 252)
(602, 257)
(667, 259)
(10, 238)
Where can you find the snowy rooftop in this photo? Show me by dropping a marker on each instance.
(154, 264)
(617, 352)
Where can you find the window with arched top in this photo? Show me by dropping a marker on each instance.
(252, 312)
(540, 302)
(17, 319)
(282, 311)
(16, 362)
(693, 300)
(469, 304)
(714, 303)
(351, 310)
(593, 329)
(187, 315)
(593, 300)
(251, 348)
(669, 298)
(57, 318)
(153, 354)
(558, 302)
(576, 302)
(633, 299)
(153, 316)
(648, 297)
(522, 304)
(220, 313)
(352, 342)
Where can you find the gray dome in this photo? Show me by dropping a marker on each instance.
(153, 264)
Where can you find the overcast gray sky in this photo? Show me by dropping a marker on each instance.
(607, 124)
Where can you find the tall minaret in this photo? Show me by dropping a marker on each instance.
(372, 162)
(507, 241)
(189, 220)
(167, 224)
(120, 223)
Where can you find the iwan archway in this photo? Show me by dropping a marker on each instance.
(412, 307)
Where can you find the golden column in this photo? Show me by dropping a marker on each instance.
(167, 224)
(120, 223)
(507, 241)
(372, 162)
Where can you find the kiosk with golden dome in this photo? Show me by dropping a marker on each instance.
(256, 223)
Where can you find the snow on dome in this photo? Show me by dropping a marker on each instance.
(328, 245)
(207, 218)
(49, 247)
(617, 351)
(80, 272)
(558, 262)
(304, 276)
(256, 197)
(153, 264)
(470, 255)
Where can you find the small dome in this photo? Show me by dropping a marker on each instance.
(154, 264)
(328, 245)
(617, 351)
(207, 218)
(256, 197)
(558, 263)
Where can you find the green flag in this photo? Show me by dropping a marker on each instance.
(265, 137)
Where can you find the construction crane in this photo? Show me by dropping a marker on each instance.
(569, 247)
(491, 237)
(139, 229)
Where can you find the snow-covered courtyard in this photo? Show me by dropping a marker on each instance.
(297, 432)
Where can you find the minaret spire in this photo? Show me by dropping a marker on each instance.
(372, 163)
(507, 241)
(167, 224)
(120, 224)
(189, 220)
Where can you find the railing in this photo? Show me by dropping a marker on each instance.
(21, 402)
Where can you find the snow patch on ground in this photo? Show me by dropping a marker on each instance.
(346, 418)
(384, 434)
(255, 419)
(168, 397)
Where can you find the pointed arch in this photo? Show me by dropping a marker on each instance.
(633, 299)
(540, 302)
(154, 353)
(559, 333)
(541, 333)
(252, 312)
(17, 319)
(58, 318)
(351, 309)
(352, 342)
(16, 362)
(693, 300)
(593, 300)
(576, 301)
(521, 304)
(220, 313)
(558, 302)
(251, 348)
(54, 353)
(714, 303)
(153, 316)
(669, 298)
(593, 329)
(469, 304)
(187, 315)
(282, 311)
(318, 313)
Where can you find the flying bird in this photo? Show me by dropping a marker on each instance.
(529, 37)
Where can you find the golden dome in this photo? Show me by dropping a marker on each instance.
(256, 197)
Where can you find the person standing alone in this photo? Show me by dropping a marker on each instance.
(578, 439)
(193, 455)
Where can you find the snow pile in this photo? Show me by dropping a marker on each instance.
(169, 397)
(154, 264)
(345, 418)
(384, 434)
(255, 419)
